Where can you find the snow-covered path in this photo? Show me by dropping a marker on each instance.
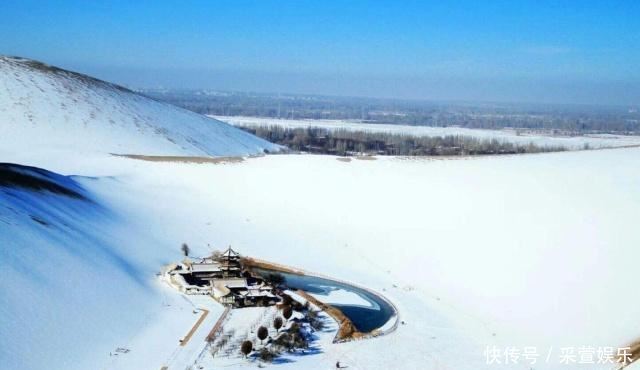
(159, 344)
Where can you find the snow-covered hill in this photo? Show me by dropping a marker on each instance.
(49, 108)
(59, 269)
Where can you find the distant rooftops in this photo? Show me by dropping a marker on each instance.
(205, 267)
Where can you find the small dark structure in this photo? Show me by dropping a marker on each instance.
(223, 277)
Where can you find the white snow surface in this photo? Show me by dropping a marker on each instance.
(527, 250)
(513, 251)
(505, 135)
(66, 279)
(55, 110)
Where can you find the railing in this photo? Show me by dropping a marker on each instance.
(265, 265)
(218, 326)
(213, 333)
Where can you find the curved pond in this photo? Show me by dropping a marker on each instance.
(366, 310)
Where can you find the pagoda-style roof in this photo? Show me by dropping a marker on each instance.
(230, 254)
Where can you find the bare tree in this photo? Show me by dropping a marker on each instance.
(343, 142)
(262, 333)
(185, 249)
(286, 300)
(287, 311)
(277, 323)
(267, 355)
(246, 348)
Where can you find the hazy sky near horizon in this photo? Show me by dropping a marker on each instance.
(530, 51)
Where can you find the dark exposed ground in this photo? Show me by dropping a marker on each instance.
(34, 179)
(181, 159)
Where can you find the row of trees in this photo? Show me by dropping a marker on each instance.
(294, 337)
(564, 118)
(347, 142)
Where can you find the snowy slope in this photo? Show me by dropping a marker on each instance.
(50, 108)
(531, 250)
(64, 285)
(548, 249)
(78, 279)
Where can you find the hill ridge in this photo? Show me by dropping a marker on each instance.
(51, 108)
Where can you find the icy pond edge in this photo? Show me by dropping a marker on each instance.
(390, 326)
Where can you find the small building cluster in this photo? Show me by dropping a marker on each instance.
(224, 278)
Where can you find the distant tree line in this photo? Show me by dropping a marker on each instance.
(343, 142)
(562, 119)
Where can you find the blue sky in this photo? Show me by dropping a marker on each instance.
(539, 51)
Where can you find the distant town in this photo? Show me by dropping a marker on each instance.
(562, 118)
